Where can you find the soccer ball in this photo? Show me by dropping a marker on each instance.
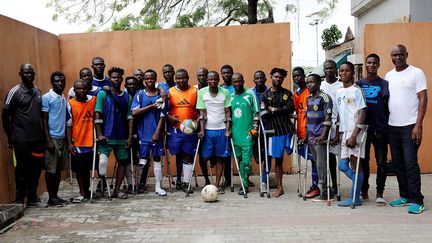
(187, 126)
(210, 193)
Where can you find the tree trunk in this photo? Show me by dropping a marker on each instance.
(252, 11)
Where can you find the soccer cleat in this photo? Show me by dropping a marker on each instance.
(401, 202)
(313, 192)
(185, 188)
(416, 208)
(241, 192)
(179, 185)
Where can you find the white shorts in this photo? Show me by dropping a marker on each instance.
(347, 152)
(336, 150)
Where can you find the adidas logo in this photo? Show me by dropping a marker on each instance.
(184, 102)
(88, 115)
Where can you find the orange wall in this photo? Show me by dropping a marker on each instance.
(246, 48)
(417, 37)
(21, 43)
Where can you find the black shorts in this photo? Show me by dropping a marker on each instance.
(82, 161)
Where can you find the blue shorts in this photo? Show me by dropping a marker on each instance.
(277, 145)
(157, 149)
(215, 143)
(178, 142)
(302, 151)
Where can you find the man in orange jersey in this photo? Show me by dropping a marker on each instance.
(80, 135)
(182, 103)
(300, 98)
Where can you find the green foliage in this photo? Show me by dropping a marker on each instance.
(330, 36)
(155, 14)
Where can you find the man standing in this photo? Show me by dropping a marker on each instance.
(21, 119)
(139, 74)
(330, 85)
(245, 121)
(114, 127)
(54, 121)
(279, 104)
(407, 106)
(300, 106)
(215, 125)
(182, 106)
(377, 96)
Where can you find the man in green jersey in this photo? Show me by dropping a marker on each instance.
(245, 120)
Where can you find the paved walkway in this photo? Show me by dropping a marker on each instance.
(148, 218)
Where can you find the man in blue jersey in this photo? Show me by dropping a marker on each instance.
(150, 116)
(114, 127)
(99, 80)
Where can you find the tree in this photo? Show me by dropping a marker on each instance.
(154, 14)
(330, 36)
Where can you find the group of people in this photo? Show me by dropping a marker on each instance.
(144, 120)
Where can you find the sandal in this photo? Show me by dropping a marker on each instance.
(380, 202)
(78, 199)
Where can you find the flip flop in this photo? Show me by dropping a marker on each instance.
(380, 202)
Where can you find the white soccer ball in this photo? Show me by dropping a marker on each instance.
(188, 126)
(210, 193)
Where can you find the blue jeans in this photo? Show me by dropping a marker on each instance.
(404, 158)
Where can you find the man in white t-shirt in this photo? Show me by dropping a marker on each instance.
(330, 85)
(407, 106)
(215, 123)
(351, 109)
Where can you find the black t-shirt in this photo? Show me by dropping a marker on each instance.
(279, 121)
(25, 108)
(377, 95)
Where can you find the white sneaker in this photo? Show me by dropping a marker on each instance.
(160, 192)
(264, 187)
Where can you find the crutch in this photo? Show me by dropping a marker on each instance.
(111, 186)
(232, 176)
(93, 167)
(265, 153)
(70, 179)
(294, 117)
(238, 169)
(259, 162)
(338, 196)
(306, 144)
(193, 166)
(166, 159)
(132, 170)
(328, 167)
(363, 138)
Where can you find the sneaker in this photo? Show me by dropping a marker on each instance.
(129, 190)
(415, 208)
(185, 188)
(54, 202)
(264, 187)
(400, 202)
(221, 190)
(19, 202)
(241, 192)
(179, 185)
(36, 204)
(322, 198)
(62, 201)
(160, 192)
(313, 192)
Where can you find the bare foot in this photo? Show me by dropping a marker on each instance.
(278, 193)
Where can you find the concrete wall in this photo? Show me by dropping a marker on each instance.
(417, 37)
(21, 43)
(421, 10)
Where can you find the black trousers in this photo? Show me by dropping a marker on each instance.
(30, 160)
(404, 159)
(379, 141)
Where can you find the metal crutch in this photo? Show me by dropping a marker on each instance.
(238, 169)
(363, 138)
(193, 166)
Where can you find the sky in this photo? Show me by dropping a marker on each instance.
(303, 35)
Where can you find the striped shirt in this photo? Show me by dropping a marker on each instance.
(279, 121)
(317, 109)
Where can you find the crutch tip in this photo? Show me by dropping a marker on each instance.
(261, 194)
(232, 189)
(328, 203)
(300, 195)
(304, 198)
(353, 206)
(268, 195)
(245, 196)
(338, 198)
